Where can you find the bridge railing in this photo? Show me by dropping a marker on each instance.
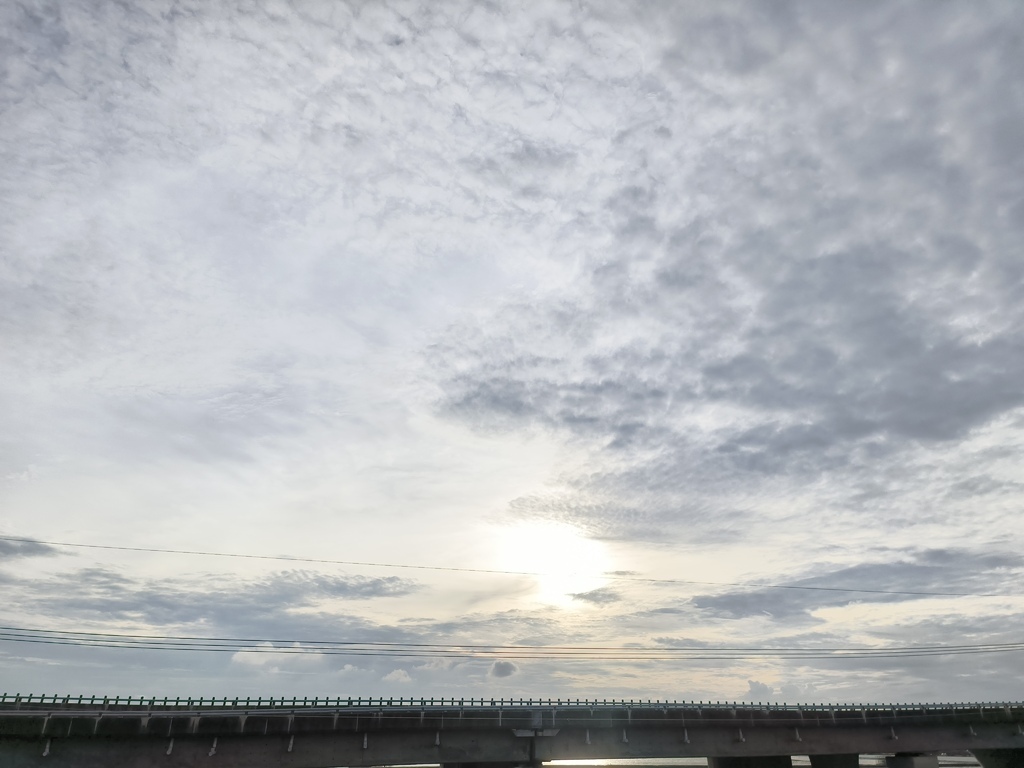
(328, 701)
(32, 700)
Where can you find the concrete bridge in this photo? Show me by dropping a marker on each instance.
(79, 732)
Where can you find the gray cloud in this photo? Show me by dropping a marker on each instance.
(602, 596)
(758, 339)
(90, 594)
(503, 669)
(634, 516)
(516, 627)
(936, 570)
(12, 549)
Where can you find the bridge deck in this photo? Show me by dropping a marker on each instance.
(138, 732)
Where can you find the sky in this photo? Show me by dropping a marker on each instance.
(632, 315)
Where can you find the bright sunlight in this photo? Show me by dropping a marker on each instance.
(566, 561)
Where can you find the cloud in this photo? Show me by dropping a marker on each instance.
(935, 571)
(795, 692)
(12, 549)
(617, 513)
(733, 287)
(267, 656)
(503, 669)
(710, 353)
(397, 676)
(601, 596)
(757, 691)
(533, 626)
(98, 594)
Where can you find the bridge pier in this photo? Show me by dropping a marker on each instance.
(999, 758)
(767, 761)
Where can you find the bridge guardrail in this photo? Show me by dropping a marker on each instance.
(10, 701)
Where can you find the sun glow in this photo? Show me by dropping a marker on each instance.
(565, 561)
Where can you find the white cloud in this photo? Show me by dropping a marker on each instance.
(397, 676)
(758, 691)
(267, 658)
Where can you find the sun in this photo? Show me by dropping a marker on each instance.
(565, 560)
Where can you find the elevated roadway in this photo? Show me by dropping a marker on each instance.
(79, 732)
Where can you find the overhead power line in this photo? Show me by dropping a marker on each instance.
(495, 571)
(477, 651)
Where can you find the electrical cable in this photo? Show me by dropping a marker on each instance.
(480, 652)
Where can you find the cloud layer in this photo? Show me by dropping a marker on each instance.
(733, 288)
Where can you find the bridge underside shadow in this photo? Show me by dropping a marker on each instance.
(1000, 758)
(784, 761)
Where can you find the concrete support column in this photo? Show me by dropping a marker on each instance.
(912, 760)
(1000, 758)
(835, 761)
(766, 761)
